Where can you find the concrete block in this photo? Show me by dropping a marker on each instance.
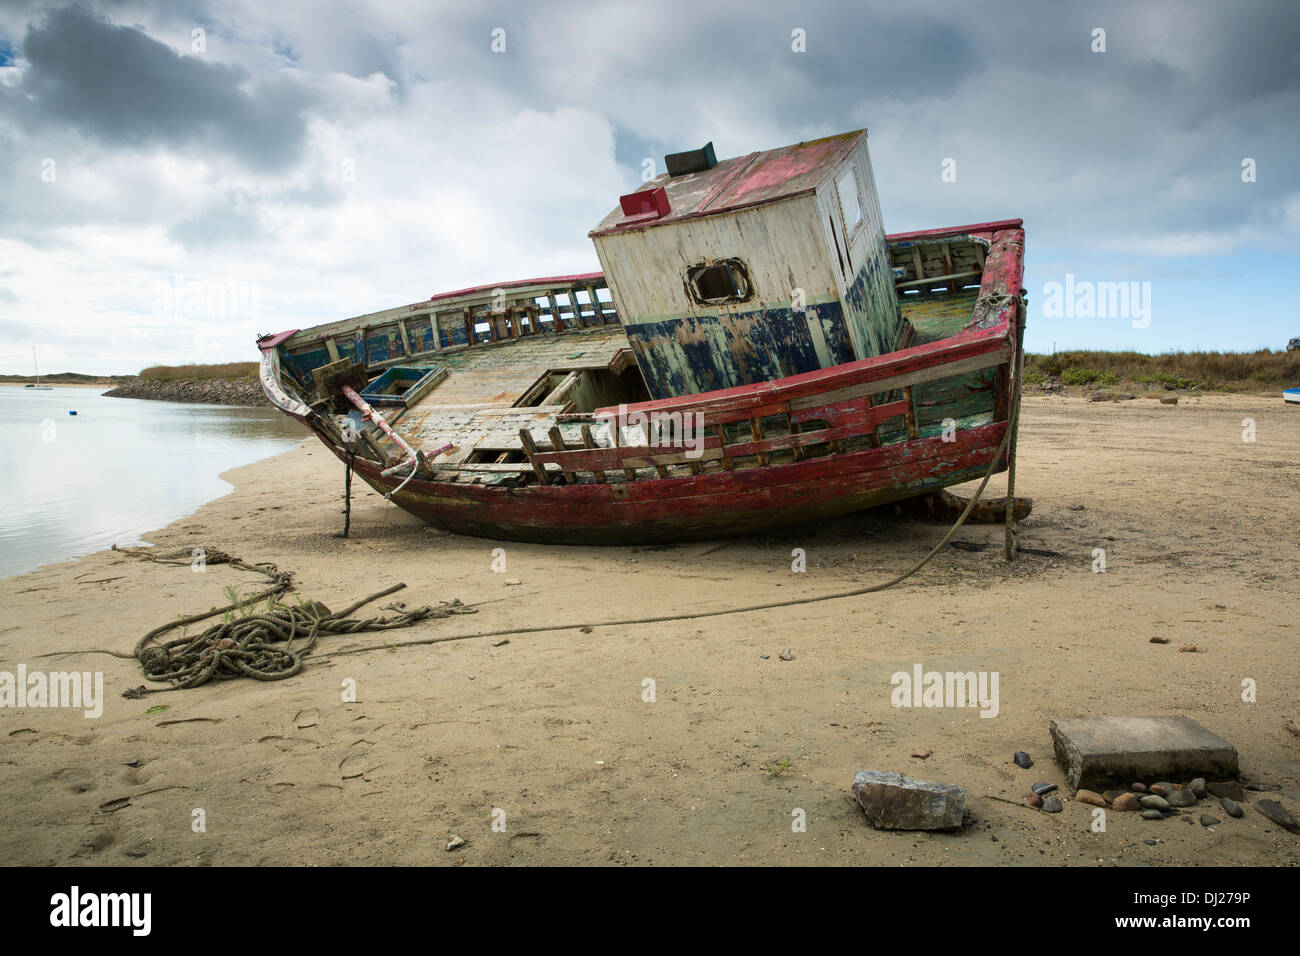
(1095, 752)
(894, 802)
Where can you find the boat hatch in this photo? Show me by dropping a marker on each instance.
(587, 389)
(403, 385)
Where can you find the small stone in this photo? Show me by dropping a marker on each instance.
(1263, 787)
(1034, 800)
(1231, 807)
(1043, 788)
(1209, 821)
(1275, 812)
(1110, 796)
(1197, 787)
(894, 802)
(1161, 789)
(455, 843)
(501, 643)
(766, 657)
(1181, 797)
(1090, 798)
(1187, 649)
(1022, 759)
(513, 581)
(1152, 815)
(585, 629)
(1052, 804)
(1139, 787)
(1153, 802)
(1159, 640)
(1226, 788)
(785, 655)
(1151, 842)
(1125, 801)
(921, 754)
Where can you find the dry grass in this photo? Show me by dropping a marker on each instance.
(172, 373)
(1260, 371)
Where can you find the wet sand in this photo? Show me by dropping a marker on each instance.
(550, 733)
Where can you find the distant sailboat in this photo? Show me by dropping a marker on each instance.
(43, 388)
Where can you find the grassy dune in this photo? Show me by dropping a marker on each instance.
(1262, 371)
(172, 373)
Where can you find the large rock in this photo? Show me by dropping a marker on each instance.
(1095, 752)
(894, 802)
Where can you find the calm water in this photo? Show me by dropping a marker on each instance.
(120, 467)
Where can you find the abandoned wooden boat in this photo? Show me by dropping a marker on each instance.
(755, 353)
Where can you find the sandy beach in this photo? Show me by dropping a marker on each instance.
(549, 736)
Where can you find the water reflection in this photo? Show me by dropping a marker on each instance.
(72, 484)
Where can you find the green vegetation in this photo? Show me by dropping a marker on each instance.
(172, 373)
(1261, 371)
(776, 767)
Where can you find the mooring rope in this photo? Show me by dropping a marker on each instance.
(257, 645)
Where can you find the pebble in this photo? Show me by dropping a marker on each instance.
(1263, 787)
(513, 582)
(1151, 842)
(1197, 787)
(1153, 802)
(1209, 821)
(1275, 812)
(1187, 649)
(1181, 797)
(1022, 759)
(1034, 800)
(1152, 815)
(455, 843)
(501, 643)
(785, 655)
(1225, 788)
(1052, 805)
(1159, 640)
(1139, 787)
(1159, 789)
(1230, 807)
(922, 754)
(1043, 788)
(1110, 796)
(1090, 798)
(1125, 801)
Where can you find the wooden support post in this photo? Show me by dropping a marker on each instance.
(874, 438)
(434, 330)
(557, 444)
(589, 442)
(949, 269)
(556, 321)
(910, 415)
(469, 326)
(332, 348)
(406, 339)
(577, 308)
(1017, 382)
(597, 309)
(919, 263)
(628, 473)
(530, 452)
(756, 430)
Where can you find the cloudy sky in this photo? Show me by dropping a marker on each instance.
(338, 157)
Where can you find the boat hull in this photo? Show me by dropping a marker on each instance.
(698, 507)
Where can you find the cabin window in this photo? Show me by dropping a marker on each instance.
(718, 282)
(847, 187)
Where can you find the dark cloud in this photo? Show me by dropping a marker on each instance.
(117, 85)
